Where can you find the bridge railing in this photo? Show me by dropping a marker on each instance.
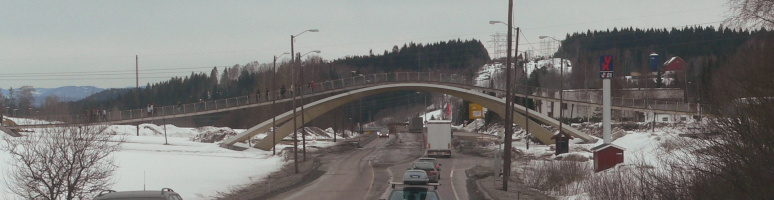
(331, 85)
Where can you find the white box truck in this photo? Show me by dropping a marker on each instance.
(439, 138)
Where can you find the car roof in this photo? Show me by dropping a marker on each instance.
(424, 164)
(136, 194)
(414, 189)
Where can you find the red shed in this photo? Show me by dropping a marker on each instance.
(607, 156)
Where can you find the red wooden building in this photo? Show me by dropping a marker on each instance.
(607, 156)
(674, 64)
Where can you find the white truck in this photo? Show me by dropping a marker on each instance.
(439, 138)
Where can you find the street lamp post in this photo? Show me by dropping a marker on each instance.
(293, 62)
(303, 121)
(273, 104)
(561, 86)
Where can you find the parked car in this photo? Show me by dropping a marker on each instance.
(164, 194)
(429, 168)
(415, 177)
(432, 160)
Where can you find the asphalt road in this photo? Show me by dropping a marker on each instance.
(347, 177)
(365, 173)
(453, 178)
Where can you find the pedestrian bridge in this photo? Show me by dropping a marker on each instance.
(341, 91)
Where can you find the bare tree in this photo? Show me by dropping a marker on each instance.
(61, 163)
(751, 13)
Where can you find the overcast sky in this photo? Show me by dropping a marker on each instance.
(77, 43)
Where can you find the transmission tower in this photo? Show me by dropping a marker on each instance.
(497, 45)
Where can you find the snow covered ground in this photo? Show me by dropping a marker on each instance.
(195, 170)
(642, 146)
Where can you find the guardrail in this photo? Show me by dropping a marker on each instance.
(339, 84)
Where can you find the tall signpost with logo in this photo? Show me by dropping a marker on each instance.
(606, 155)
(606, 73)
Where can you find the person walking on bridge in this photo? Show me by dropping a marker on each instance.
(282, 92)
(292, 90)
(267, 94)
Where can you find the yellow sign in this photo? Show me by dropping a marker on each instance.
(475, 111)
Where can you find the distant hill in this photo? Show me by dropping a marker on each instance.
(65, 93)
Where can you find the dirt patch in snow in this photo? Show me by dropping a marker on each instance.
(212, 134)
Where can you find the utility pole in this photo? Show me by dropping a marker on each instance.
(137, 82)
(273, 104)
(292, 82)
(526, 101)
(508, 120)
(360, 114)
(515, 62)
(303, 121)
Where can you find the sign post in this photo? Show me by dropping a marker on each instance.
(606, 73)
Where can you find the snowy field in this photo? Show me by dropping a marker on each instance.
(195, 170)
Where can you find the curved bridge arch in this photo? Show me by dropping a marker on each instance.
(320, 107)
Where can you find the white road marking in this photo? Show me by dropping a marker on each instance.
(452, 184)
(372, 179)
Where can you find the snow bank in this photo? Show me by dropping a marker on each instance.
(195, 170)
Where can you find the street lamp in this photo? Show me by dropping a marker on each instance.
(303, 129)
(273, 104)
(561, 86)
(497, 22)
(293, 66)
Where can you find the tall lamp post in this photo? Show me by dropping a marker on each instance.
(274, 103)
(293, 76)
(303, 121)
(561, 86)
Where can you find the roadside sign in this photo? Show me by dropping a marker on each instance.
(475, 111)
(606, 66)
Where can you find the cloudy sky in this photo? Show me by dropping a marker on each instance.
(62, 43)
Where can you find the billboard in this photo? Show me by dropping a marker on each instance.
(475, 111)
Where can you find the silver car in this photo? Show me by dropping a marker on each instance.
(432, 173)
(164, 194)
(415, 177)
